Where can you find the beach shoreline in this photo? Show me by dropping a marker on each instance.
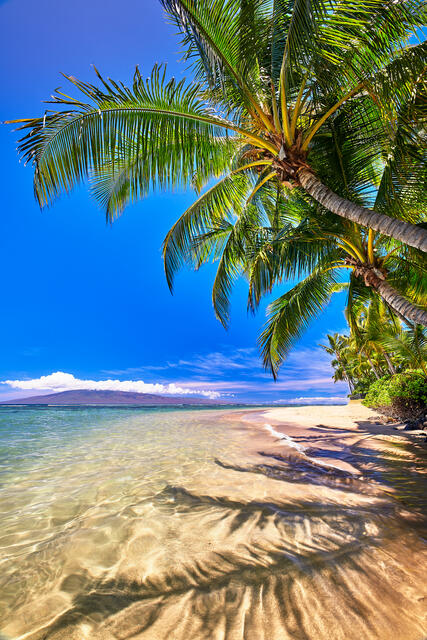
(323, 434)
(254, 523)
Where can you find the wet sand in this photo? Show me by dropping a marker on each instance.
(307, 525)
(323, 433)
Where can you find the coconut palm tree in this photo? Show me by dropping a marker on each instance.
(375, 275)
(363, 356)
(276, 82)
(369, 325)
(338, 346)
(286, 237)
(409, 345)
(361, 369)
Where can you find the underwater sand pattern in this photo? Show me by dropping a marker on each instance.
(190, 525)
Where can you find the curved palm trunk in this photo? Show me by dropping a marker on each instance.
(346, 374)
(394, 299)
(371, 364)
(408, 233)
(389, 363)
(350, 382)
(347, 379)
(403, 319)
(400, 304)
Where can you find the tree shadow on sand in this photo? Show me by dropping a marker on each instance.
(400, 465)
(274, 580)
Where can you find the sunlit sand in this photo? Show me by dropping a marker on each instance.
(208, 525)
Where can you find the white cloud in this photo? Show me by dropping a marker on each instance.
(237, 373)
(60, 381)
(304, 362)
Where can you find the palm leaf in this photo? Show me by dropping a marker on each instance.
(128, 178)
(210, 210)
(232, 262)
(220, 35)
(66, 146)
(290, 315)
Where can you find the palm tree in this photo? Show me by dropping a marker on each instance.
(277, 82)
(364, 370)
(362, 355)
(374, 274)
(369, 324)
(362, 373)
(286, 238)
(410, 345)
(338, 346)
(282, 239)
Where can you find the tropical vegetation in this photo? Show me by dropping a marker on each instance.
(384, 360)
(363, 359)
(401, 396)
(305, 129)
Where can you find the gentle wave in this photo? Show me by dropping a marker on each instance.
(289, 442)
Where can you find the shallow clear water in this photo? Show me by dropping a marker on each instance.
(168, 523)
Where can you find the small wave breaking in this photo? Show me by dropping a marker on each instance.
(290, 442)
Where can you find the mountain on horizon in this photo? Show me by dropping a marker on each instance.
(89, 397)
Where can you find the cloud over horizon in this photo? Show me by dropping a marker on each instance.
(234, 373)
(61, 381)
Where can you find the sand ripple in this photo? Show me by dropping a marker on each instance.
(263, 546)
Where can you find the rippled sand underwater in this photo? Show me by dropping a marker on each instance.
(173, 524)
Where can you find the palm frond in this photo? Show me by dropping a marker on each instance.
(408, 274)
(233, 260)
(146, 121)
(211, 209)
(129, 178)
(221, 38)
(290, 315)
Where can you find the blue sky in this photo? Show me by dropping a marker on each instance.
(90, 300)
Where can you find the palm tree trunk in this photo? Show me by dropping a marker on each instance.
(403, 319)
(394, 299)
(346, 375)
(347, 379)
(372, 366)
(408, 233)
(389, 363)
(350, 383)
(401, 304)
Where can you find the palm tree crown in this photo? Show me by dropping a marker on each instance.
(275, 81)
(305, 126)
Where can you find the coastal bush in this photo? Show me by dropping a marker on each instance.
(402, 396)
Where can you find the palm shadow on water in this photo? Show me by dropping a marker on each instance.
(221, 581)
(273, 578)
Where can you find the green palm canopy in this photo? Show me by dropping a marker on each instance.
(301, 113)
(272, 81)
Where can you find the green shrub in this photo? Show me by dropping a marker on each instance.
(402, 396)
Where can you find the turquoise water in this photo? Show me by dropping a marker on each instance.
(32, 436)
(168, 523)
(74, 484)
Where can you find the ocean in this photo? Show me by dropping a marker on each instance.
(172, 523)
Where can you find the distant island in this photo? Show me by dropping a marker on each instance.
(87, 397)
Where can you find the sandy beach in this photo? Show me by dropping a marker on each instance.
(275, 523)
(324, 434)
